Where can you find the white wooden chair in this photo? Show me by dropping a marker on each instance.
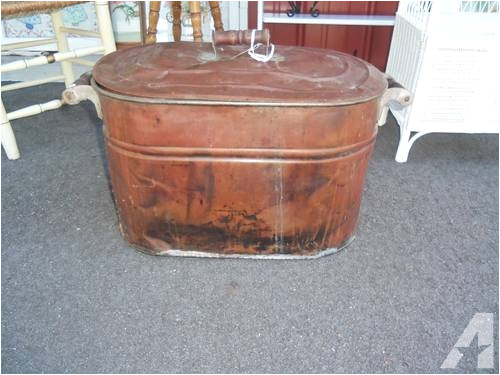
(67, 57)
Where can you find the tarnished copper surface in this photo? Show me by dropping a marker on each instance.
(194, 171)
(238, 180)
(186, 70)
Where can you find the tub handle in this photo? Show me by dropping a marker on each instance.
(82, 90)
(234, 37)
(396, 95)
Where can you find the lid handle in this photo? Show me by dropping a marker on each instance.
(233, 37)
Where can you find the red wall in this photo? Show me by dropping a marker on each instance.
(368, 42)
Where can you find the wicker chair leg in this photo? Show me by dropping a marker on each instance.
(62, 46)
(9, 143)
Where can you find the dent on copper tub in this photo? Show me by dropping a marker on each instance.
(212, 153)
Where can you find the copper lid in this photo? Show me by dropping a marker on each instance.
(190, 71)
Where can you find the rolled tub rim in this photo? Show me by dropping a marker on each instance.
(146, 100)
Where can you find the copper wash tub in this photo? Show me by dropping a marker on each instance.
(220, 155)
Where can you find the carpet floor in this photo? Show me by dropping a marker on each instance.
(77, 298)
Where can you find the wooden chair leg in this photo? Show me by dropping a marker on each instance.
(9, 143)
(62, 46)
(176, 25)
(195, 10)
(105, 27)
(154, 14)
(214, 8)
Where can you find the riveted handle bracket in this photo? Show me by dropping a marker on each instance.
(395, 95)
(82, 90)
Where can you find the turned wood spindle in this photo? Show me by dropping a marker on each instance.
(195, 10)
(233, 37)
(216, 15)
(154, 14)
(176, 23)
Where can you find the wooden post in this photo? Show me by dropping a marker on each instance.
(62, 46)
(143, 22)
(154, 14)
(194, 9)
(176, 25)
(214, 8)
(105, 27)
(8, 139)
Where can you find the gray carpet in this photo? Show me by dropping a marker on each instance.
(76, 298)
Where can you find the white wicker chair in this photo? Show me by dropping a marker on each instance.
(447, 54)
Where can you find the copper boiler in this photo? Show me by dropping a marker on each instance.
(212, 153)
